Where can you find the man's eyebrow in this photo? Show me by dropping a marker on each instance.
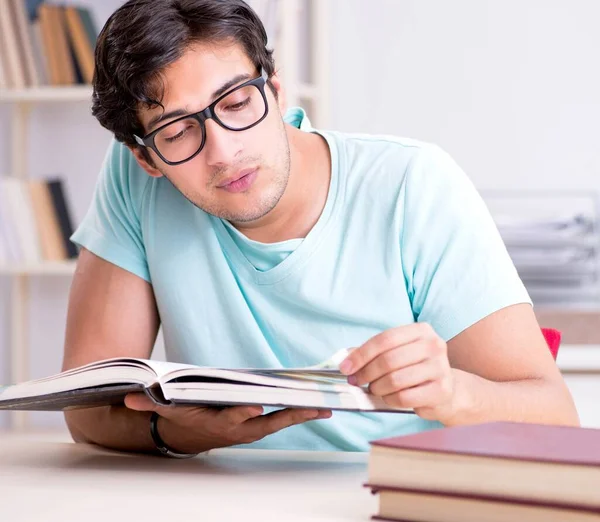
(226, 86)
(176, 113)
(166, 116)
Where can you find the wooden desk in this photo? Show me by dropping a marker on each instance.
(50, 481)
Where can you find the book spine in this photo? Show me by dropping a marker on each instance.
(10, 43)
(63, 214)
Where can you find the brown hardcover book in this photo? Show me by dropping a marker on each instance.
(54, 33)
(417, 506)
(51, 240)
(80, 43)
(50, 45)
(520, 461)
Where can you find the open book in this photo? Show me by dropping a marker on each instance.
(108, 381)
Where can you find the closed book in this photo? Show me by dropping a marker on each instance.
(22, 27)
(10, 43)
(529, 462)
(63, 214)
(56, 45)
(51, 240)
(50, 44)
(3, 75)
(8, 232)
(418, 506)
(89, 24)
(80, 42)
(39, 55)
(21, 220)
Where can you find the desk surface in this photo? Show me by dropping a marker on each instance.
(58, 481)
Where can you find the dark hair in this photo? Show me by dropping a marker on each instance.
(143, 37)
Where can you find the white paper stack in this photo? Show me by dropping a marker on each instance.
(555, 245)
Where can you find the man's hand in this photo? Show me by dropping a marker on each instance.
(196, 429)
(408, 367)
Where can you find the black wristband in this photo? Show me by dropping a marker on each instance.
(160, 444)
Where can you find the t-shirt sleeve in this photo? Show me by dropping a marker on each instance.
(111, 228)
(456, 265)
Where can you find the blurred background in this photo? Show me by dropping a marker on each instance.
(511, 89)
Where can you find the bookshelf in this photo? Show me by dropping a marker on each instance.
(301, 26)
(47, 268)
(47, 94)
(21, 102)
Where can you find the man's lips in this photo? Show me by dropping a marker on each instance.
(241, 182)
(236, 177)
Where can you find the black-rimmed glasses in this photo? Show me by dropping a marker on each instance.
(239, 109)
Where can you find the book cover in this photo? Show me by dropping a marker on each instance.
(506, 440)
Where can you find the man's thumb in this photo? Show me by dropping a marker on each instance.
(140, 402)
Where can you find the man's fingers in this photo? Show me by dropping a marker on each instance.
(417, 397)
(281, 419)
(390, 361)
(141, 402)
(239, 414)
(383, 342)
(260, 427)
(408, 377)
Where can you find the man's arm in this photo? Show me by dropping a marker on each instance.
(498, 369)
(113, 313)
(505, 371)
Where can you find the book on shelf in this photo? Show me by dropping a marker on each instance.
(535, 468)
(35, 221)
(14, 72)
(108, 381)
(42, 43)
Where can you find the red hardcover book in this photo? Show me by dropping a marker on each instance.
(527, 462)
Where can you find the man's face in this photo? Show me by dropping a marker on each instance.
(238, 175)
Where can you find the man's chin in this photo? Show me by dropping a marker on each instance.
(246, 213)
(245, 216)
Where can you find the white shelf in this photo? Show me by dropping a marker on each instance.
(579, 358)
(43, 268)
(71, 93)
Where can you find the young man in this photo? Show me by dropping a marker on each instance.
(256, 240)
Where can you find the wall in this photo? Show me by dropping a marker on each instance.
(510, 88)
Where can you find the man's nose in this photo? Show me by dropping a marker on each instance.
(222, 145)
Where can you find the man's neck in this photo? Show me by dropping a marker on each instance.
(305, 196)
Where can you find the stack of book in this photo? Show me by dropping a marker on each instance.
(554, 242)
(488, 473)
(45, 44)
(35, 222)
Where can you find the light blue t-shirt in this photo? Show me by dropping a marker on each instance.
(403, 237)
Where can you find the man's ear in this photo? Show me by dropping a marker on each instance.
(281, 100)
(140, 157)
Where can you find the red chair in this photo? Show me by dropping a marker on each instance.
(553, 338)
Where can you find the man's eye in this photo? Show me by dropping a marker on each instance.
(177, 136)
(238, 106)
